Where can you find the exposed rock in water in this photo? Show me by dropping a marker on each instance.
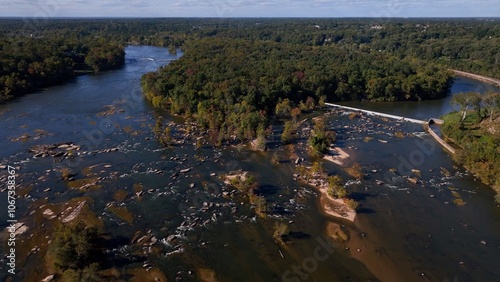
(20, 228)
(207, 275)
(49, 213)
(242, 176)
(70, 214)
(48, 278)
(413, 180)
(54, 150)
(170, 239)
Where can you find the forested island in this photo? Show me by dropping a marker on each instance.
(232, 85)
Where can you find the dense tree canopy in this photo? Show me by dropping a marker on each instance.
(29, 62)
(232, 85)
(478, 135)
(41, 53)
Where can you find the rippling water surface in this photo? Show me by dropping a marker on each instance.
(403, 229)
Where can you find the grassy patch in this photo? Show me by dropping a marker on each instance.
(120, 195)
(355, 171)
(85, 183)
(459, 202)
(123, 213)
(138, 187)
(399, 134)
(205, 275)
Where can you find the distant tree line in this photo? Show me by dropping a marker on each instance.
(59, 48)
(30, 63)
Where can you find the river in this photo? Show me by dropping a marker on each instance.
(424, 110)
(404, 231)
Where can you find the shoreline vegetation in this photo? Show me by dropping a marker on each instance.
(475, 129)
(233, 87)
(29, 64)
(333, 200)
(40, 55)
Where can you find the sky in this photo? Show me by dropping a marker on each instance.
(249, 8)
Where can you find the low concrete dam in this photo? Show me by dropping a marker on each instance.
(425, 124)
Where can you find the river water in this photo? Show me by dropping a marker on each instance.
(404, 231)
(424, 110)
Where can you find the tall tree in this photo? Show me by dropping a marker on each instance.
(491, 102)
(466, 101)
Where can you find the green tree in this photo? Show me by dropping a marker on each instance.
(284, 108)
(288, 131)
(74, 246)
(466, 101)
(166, 137)
(87, 274)
(261, 138)
(336, 187)
(491, 102)
(475, 102)
(321, 137)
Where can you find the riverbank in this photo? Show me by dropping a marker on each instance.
(478, 142)
(336, 155)
(438, 139)
(489, 80)
(333, 207)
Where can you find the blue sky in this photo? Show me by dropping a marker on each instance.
(250, 8)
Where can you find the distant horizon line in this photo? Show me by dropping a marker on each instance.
(249, 17)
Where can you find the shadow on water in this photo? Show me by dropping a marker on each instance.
(340, 143)
(118, 261)
(280, 211)
(115, 241)
(360, 196)
(298, 235)
(365, 211)
(266, 190)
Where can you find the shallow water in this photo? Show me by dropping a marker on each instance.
(415, 227)
(425, 110)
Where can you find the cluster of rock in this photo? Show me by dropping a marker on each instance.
(66, 149)
(54, 150)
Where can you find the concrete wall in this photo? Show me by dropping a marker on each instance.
(378, 114)
(439, 139)
(425, 124)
